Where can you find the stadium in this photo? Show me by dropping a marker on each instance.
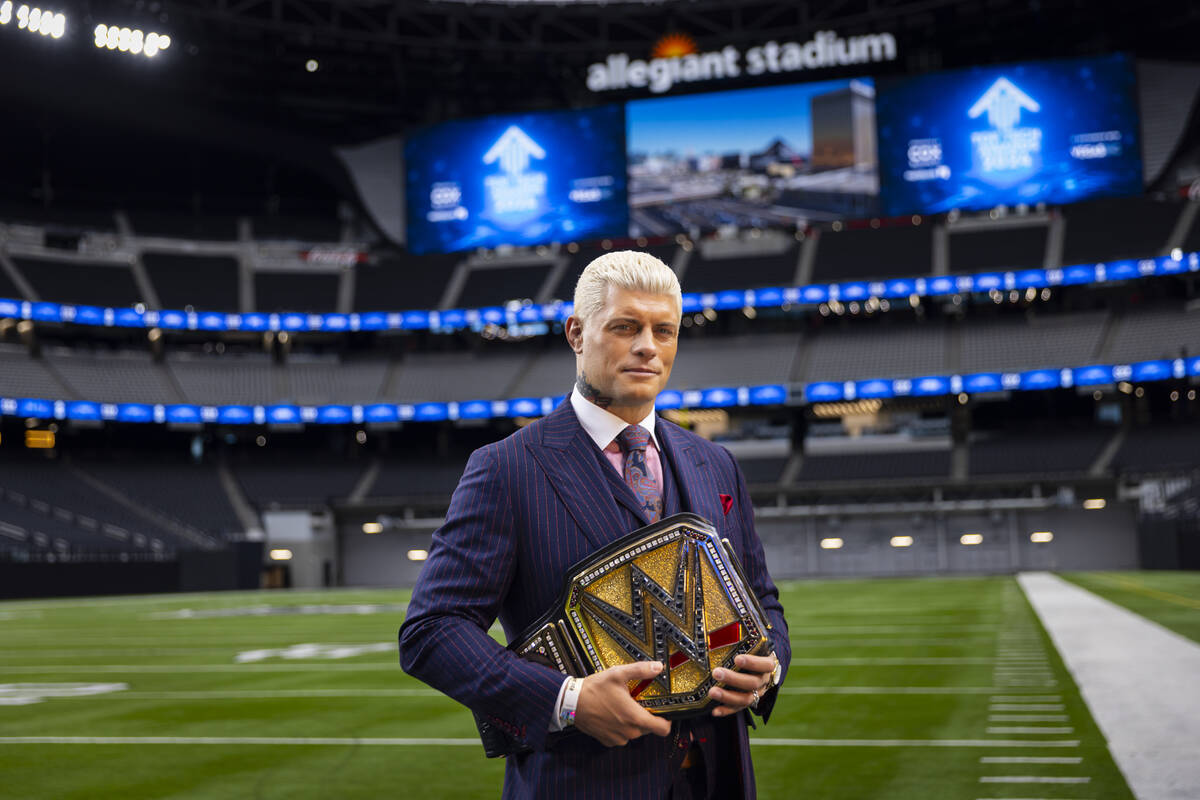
(270, 272)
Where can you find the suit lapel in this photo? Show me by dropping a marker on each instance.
(570, 461)
(696, 488)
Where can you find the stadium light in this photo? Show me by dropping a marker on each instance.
(418, 555)
(901, 541)
(831, 544)
(971, 538)
(372, 527)
(1095, 503)
(130, 40)
(39, 440)
(34, 19)
(312, 65)
(281, 554)
(1041, 537)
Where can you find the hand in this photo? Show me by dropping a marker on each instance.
(740, 688)
(608, 713)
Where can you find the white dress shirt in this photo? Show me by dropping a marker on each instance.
(602, 427)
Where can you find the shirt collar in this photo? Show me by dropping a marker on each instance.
(603, 426)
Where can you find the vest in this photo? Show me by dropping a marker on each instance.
(710, 734)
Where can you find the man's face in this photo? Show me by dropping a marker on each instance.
(624, 354)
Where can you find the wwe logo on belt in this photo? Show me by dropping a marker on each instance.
(658, 618)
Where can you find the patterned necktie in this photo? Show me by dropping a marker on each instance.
(633, 442)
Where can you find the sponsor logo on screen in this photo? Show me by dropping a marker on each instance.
(1007, 153)
(516, 189)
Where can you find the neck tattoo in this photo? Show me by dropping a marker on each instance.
(591, 393)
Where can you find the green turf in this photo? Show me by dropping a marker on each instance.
(886, 660)
(1172, 599)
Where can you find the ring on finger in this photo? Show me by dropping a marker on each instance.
(754, 702)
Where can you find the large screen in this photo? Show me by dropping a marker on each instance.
(522, 179)
(1051, 131)
(752, 157)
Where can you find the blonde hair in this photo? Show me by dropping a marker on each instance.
(628, 269)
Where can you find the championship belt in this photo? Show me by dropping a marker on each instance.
(672, 592)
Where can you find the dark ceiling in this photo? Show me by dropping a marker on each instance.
(385, 66)
(230, 110)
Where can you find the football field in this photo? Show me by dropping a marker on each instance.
(904, 688)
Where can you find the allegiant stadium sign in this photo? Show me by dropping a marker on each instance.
(676, 61)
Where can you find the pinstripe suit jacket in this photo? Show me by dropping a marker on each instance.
(526, 509)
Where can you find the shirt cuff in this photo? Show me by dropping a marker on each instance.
(564, 707)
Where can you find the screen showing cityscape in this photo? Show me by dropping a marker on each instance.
(1050, 131)
(752, 158)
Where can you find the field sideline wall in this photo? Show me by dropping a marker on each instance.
(1083, 540)
(235, 568)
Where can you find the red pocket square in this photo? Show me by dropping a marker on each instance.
(726, 503)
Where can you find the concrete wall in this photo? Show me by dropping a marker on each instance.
(310, 538)
(1104, 539)
(381, 559)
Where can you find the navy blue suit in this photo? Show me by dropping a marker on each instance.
(526, 509)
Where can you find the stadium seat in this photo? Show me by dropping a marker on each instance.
(1106, 230)
(1007, 248)
(494, 286)
(81, 283)
(878, 350)
(112, 377)
(1030, 454)
(748, 272)
(896, 251)
(397, 283)
(23, 376)
(293, 291)
(206, 283)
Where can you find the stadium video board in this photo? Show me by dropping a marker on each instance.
(523, 179)
(752, 158)
(1052, 131)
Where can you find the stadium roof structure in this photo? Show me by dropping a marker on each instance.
(383, 66)
(252, 97)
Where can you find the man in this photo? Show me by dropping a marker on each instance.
(530, 506)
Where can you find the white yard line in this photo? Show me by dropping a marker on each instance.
(397, 742)
(1030, 743)
(265, 694)
(391, 665)
(1038, 729)
(239, 740)
(888, 661)
(854, 641)
(202, 694)
(1033, 779)
(1030, 759)
(899, 629)
(785, 689)
(324, 666)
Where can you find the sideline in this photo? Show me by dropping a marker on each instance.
(1138, 679)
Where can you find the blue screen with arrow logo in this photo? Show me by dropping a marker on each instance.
(522, 179)
(1051, 131)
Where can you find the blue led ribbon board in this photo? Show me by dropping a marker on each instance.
(523, 179)
(1049, 131)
